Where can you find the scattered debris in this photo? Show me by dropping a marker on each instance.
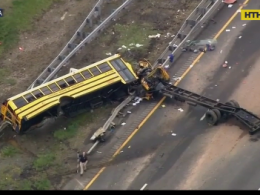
(163, 106)
(176, 78)
(166, 66)
(180, 109)
(244, 25)
(139, 45)
(21, 49)
(229, 1)
(230, 5)
(154, 36)
(217, 100)
(229, 67)
(123, 124)
(121, 151)
(99, 152)
(240, 37)
(239, 11)
(64, 15)
(129, 146)
(220, 51)
(233, 27)
(224, 65)
(173, 134)
(227, 30)
(109, 54)
(129, 112)
(226, 62)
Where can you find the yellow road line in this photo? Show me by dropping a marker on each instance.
(161, 101)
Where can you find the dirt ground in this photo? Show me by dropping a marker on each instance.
(39, 159)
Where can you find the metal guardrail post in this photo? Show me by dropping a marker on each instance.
(63, 59)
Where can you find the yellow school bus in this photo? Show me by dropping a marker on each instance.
(87, 88)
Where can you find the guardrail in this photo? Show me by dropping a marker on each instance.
(63, 58)
(202, 14)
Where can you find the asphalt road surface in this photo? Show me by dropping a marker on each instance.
(178, 150)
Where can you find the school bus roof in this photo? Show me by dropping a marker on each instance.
(69, 74)
(92, 77)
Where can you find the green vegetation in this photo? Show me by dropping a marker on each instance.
(66, 133)
(19, 18)
(131, 38)
(9, 151)
(133, 34)
(42, 184)
(10, 180)
(73, 127)
(44, 161)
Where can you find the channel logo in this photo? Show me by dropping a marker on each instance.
(250, 14)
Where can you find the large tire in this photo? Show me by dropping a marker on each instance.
(234, 103)
(211, 117)
(217, 112)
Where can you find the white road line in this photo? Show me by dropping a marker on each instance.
(143, 186)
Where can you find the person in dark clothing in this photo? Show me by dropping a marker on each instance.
(83, 161)
(171, 57)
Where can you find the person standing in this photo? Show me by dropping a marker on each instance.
(83, 161)
(171, 58)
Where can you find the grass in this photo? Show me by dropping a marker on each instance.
(73, 127)
(69, 132)
(9, 151)
(19, 17)
(44, 161)
(129, 36)
(133, 34)
(10, 181)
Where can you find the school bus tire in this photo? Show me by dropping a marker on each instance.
(211, 117)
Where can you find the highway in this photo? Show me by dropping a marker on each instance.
(176, 150)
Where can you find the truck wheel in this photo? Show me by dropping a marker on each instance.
(211, 117)
(229, 103)
(217, 112)
(234, 103)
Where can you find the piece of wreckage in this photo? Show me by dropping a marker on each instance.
(229, 1)
(199, 45)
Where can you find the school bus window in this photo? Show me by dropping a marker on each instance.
(86, 74)
(95, 71)
(29, 97)
(78, 77)
(37, 93)
(45, 90)
(70, 80)
(9, 108)
(62, 84)
(20, 102)
(54, 87)
(8, 115)
(104, 67)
